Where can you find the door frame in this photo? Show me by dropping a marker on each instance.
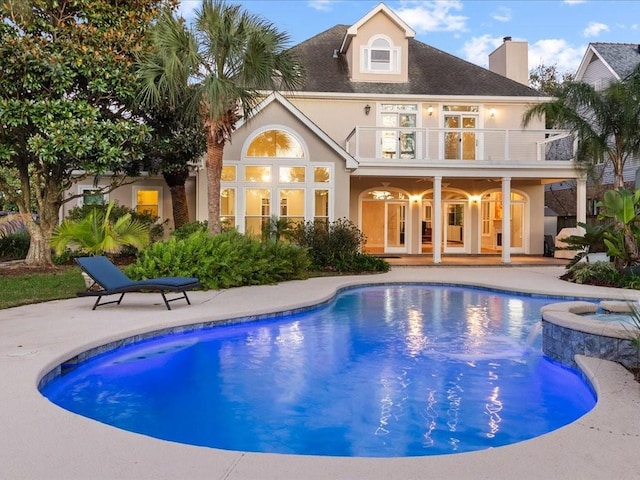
(464, 248)
(407, 229)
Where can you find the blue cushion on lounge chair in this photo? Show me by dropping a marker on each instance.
(114, 281)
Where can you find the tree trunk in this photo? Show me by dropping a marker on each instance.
(214, 172)
(179, 205)
(176, 180)
(39, 248)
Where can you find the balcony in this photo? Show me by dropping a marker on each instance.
(427, 146)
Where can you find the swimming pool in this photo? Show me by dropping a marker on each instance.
(401, 370)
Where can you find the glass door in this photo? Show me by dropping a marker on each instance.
(395, 227)
(460, 144)
(427, 227)
(517, 227)
(454, 227)
(398, 136)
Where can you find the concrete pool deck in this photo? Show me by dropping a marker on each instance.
(39, 440)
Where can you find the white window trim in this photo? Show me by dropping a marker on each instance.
(134, 199)
(284, 128)
(82, 188)
(315, 189)
(395, 57)
(309, 185)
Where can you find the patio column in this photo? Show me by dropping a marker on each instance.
(506, 220)
(581, 200)
(437, 219)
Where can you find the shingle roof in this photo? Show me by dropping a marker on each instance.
(431, 72)
(622, 57)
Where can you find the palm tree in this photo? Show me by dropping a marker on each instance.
(97, 234)
(606, 122)
(231, 59)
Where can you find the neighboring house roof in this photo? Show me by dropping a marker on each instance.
(620, 58)
(431, 72)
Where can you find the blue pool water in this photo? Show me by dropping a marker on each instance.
(382, 371)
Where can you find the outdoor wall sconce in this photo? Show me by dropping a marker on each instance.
(430, 111)
(475, 199)
(367, 109)
(492, 112)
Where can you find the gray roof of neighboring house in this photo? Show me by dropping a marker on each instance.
(431, 72)
(623, 58)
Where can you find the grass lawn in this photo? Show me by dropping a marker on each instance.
(16, 290)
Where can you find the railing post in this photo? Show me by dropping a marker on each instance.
(357, 142)
(506, 145)
(425, 155)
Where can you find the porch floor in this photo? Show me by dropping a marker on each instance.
(471, 260)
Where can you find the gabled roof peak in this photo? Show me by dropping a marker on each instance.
(619, 58)
(352, 31)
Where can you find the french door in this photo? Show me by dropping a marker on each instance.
(398, 139)
(454, 234)
(460, 144)
(395, 235)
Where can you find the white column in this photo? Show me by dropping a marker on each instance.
(581, 200)
(437, 219)
(506, 220)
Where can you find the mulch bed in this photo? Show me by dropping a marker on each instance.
(17, 267)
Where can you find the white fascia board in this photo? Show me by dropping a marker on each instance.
(350, 162)
(352, 31)
(419, 98)
(531, 171)
(586, 60)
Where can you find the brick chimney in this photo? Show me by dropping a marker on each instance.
(511, 60)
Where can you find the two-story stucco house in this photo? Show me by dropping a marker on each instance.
(424, 151)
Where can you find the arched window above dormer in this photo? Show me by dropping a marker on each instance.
(380, 56)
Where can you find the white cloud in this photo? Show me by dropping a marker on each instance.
(187, 8)
(574, 2)
(433, 16)
(477, 49)
(549, 52)
(594, 29)
(557, 52)
(502, 14)
(322, 5)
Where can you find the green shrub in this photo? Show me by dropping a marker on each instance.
(277, 229)
(156, 230)
(99, 233)
(336, 246)
(189, 228)
(222, 261)
(362, 262)
(591, 241)
(63, 258)
(14, 246)
(597, 273)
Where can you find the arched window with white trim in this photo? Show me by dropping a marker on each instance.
(275, 178)
(380, 56)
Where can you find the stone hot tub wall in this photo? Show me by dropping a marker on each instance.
(566, 332)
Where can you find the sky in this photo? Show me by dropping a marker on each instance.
(558, 32)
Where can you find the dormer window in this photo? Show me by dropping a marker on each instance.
(380, 56)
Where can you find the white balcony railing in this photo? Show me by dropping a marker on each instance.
(433, 145)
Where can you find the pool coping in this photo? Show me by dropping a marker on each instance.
(49, 442)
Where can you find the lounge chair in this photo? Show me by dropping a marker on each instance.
(113, 281)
